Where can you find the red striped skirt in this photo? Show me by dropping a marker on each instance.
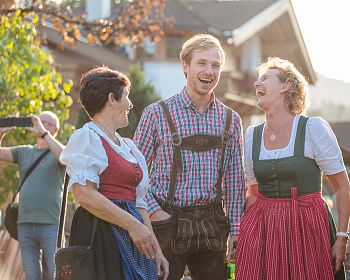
(285, 239)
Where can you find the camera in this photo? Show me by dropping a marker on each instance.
(19, 122)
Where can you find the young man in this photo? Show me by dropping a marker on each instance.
(194, 144)
(40, 196)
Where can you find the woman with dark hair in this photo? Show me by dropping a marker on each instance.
(287, 232)
(109, 179)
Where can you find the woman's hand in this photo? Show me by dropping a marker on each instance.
(339, 252)
(162, 265)
(252, 195)
(144, 239)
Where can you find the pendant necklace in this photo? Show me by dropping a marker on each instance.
(105, 130)
(272, 135)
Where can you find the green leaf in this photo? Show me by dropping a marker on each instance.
(68, 86)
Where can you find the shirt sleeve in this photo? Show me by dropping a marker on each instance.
(142, 188)
(145, 138)
(234, 184)
(248, 159)
(322, 145)
(84, 157)
(15, 151)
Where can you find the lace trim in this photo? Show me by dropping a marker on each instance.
(80, 177)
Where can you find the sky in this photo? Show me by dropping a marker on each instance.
(325, 26)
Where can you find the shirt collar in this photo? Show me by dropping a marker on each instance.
(187, 102)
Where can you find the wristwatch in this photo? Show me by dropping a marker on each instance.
(343, 234)
(44, 134)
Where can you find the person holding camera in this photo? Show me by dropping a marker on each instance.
(40, 195)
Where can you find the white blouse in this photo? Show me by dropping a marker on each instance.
(86, 158)
(320, 145)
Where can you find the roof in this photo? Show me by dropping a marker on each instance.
(185, 19)
(227, 15)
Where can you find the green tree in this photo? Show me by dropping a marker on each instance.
(132, 21)
(142, 94)
(29, 84)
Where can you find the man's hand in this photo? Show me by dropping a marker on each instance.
(5, 130)
(159, 215)
(162, 265)
(231, 246)
(38, 128)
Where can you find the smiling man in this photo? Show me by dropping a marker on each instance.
(193, 144)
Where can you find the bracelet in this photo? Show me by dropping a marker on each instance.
(343, 234)
(44, 134)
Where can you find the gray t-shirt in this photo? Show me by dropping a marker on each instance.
(41, 194)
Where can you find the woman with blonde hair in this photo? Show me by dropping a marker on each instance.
(287, 231)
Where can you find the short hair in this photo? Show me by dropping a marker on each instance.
(53, 116)
(200, 42)
(96, 84)
(297, 96)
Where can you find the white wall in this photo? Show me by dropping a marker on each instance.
(97, 9)
(251, 54)
(167, 77)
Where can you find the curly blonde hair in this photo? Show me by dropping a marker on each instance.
(297, 100)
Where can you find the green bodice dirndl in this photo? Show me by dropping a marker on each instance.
(276, 177)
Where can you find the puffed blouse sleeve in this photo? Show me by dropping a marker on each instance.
(142, 188)
(84, 157)
(248, 161)
(322, 145)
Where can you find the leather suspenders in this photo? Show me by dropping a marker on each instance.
(198, 143)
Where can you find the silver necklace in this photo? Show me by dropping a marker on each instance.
(105, 130)
(272, 135)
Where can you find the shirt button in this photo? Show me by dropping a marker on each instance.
(136, 166)
(137, 172)
(135, 179)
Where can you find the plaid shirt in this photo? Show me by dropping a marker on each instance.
(196, 182)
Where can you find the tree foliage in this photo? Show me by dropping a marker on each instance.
(134, 21)
(141, 95)
(29, 84)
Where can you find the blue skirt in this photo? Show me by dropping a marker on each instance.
(135, 264)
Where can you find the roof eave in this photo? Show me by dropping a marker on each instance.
(260, 21)
(265, 18)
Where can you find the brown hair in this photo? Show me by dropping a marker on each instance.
(297, 95)
(96, 84)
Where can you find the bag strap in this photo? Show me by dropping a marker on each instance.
(29, 171)
(63, 217)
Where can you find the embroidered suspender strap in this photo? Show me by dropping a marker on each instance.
(197, 143)
(225, 138)
(177, 161)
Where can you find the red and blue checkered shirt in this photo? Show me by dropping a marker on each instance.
(196, 182)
